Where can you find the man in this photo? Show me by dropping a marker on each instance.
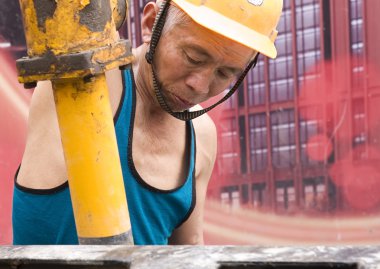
(203, 47)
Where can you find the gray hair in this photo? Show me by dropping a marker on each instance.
(174, 18)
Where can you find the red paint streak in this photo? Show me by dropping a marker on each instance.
(324, 83)
(360, 181)
(240, 226)
(13, 99)
(356, 171)
(319, 147)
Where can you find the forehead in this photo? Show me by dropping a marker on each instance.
(193, 35)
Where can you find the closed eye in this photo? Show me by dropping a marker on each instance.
(224, 74)
(192, 60)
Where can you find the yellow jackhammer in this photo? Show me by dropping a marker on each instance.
(72, 43)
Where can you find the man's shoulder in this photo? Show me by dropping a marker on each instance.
(42, 107)
(206, 138)
(205, 129)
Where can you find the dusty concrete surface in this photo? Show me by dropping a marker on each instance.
(224, 257)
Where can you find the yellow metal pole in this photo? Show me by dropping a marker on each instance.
(72, 43)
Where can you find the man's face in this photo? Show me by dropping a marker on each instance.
(194, 64)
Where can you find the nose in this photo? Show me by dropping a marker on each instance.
(200, 81)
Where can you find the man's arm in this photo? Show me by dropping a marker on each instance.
(191, 231)
(43, 165)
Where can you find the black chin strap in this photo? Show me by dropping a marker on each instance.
(157, 30)
(185, 115)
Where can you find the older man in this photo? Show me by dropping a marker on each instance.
(166, 156)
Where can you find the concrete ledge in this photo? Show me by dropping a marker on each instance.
(160, 257)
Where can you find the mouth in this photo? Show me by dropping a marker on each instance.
(181, 103)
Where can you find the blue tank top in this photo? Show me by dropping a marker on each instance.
(46, 216)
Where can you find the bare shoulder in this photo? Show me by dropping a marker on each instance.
(206, 138)
(42, 115)
(42, 109)
(42, 96)
(191, 232)
(42, 164)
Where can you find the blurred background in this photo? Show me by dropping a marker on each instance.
(298, 144)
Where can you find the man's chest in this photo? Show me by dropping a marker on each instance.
(162, 162)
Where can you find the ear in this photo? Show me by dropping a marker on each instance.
(149, 15)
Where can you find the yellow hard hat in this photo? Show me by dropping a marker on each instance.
(249, 22)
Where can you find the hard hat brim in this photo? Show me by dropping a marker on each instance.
(228, 28)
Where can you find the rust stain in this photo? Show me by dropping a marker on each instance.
(74, 95)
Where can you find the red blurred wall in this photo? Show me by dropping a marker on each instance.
(14, 102)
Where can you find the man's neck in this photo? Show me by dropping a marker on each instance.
(148, 110)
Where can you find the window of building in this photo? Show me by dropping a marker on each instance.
(281, 70)
(133, 23)
(358, 127)
(258, 141)
(315, 195)
(228, 146)
(240, 94)
(243, 145)
(285, 196)
(135, 13)
(357, 43)
(258, 194)
(310, 126)
(225, 199)
(230, 196)
(256, 84)
(244, 194)
(283, 139)
(230, 103)
(235, 199)
(308, 38)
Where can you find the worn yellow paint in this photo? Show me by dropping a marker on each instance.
(92, 158)
(63, 32)
(84, 114)
(84, 3)
(116, 14)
